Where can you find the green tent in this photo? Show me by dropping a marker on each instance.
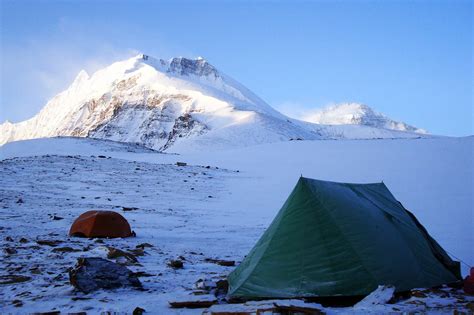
(338, 239)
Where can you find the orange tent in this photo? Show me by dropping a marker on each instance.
(97, 223)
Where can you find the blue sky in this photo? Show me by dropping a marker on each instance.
(412, 60)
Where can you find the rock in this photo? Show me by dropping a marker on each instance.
(221, 262)
(382, 295)
(298, 307)
(52, 243)
(204, 284)
(143, 245)
(101, 156)
(198, 301)
(11, 279)
(23, 240)
(20, 200)
(10, 251)
(35, 270)
(418, 294)
(93, 273)
(129, 208)
(115, 253)
(17, 303)
(222, 286)
(181, 164)
(137, 252)
(57, 218)
(8, 239)
(138, 311)
(143, 274)
(65, 249)
(176, 264)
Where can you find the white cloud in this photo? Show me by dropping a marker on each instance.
(301, 112)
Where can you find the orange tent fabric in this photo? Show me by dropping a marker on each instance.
(97, 223)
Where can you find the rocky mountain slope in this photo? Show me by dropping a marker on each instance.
(176, 105)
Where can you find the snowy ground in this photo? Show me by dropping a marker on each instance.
(198, 212)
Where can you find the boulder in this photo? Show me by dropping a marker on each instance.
(176, 264)
(93, 273)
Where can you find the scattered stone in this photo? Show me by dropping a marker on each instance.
(181, 164)
(137, 252)
(138, 311)
(143, 274)
(17, 303)
(20, 200)
(221, 262)
(222, 287)
(10, 251)
(418, 294)
(176, 264)
(208, 166)
(57, 218)
(80, 298)
(205, 285)
(298, 307)
(35, 270)
(194, 302)
(115, 253)
(8, 239)
(101, 156)
(52, 243)
(129, 208)
(65, 249)
(143, 245)
(382, 295)
(91, 274)
(11, 279)
(23, 240)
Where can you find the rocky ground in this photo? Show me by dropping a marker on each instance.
(169, 208)
(188, 236)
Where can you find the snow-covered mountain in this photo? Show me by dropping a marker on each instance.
(175, 105)
(357, 114)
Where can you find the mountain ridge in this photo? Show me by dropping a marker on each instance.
(171, 105)
(357, 114)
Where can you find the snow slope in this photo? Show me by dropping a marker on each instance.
(65, 176)
(175, 105)
(357, 114)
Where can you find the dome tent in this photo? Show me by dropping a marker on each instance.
(99, 223)
(338, 239)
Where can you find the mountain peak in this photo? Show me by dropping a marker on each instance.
(199, 67)
(357, 114)
(181, 65)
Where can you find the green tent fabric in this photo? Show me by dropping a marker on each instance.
(339, 239)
